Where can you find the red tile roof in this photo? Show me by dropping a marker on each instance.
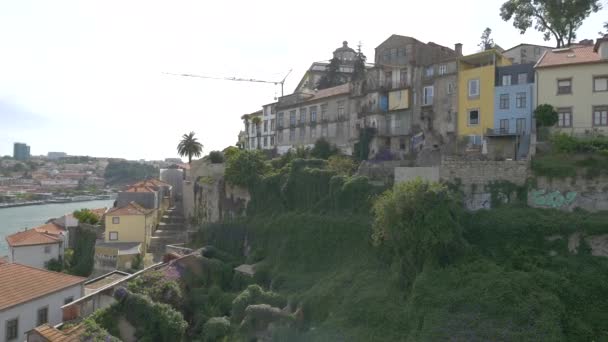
(153, 182)
(578, 54)
(328, 92)
(129, 209)
(20, 283)
(51, 228)
(140, 188)
(31, 237)
(52, 334)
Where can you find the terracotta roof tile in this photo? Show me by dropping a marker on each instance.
(20, 283)
(140, 188)
(31, 237)
(131, 208)
(52, 334)
(152, 183)
(51, 228)
(333, 91)
(99, 211)
(577, 54)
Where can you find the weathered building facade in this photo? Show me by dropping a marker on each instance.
(525, 53)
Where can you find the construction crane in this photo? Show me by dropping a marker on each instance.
(237, 79)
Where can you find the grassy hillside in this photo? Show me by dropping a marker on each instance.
(507, 282)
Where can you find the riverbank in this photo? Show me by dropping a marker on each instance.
(57, 200)
(19, 218)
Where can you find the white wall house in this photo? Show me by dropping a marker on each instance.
(34, 248)
(31, 297)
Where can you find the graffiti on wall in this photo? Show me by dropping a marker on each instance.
(554, 199)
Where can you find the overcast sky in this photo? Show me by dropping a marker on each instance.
(86, 77)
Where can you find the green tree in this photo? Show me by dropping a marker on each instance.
(216, 157)
(245, 167)
(486, 43)
(189, 146)
(323, 149)
(545, 115)
(86, 216)
(342, 165)
(559, 19)
(419, 223)
(359, 67)
(603, 34)
(332, 76)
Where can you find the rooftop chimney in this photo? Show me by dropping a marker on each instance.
(601, 47)
(586, 42)
(458, 49)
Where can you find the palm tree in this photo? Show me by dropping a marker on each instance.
(189, 146)
(257, 121)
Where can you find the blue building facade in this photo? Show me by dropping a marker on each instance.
(514, 99)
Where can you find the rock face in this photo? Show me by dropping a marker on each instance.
(207, 197)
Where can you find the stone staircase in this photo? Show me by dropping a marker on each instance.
(171, 230)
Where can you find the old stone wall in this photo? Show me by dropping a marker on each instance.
(405, 174)
(570, 193)
(475, 176)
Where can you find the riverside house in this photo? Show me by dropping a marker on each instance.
(32, 297)
(37, 246)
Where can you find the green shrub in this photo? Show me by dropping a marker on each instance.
(545, 115)
(254, 294)
(323, 149)
(215, 329)
(158, 287)
(245, 168)
(216, 157)
(94, 333)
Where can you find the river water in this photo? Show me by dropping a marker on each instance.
(15, 219)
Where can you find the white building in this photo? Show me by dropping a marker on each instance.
(32, 297)
(35, 247)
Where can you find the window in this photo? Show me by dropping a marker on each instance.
(473, 117)
(265, 141)
(43, 315)
(313, 132)
(473, 88)
(393, 53)
(68, 300)
(115, 220)
(520, 100)
(339, 129)
(114, 235)
(564, 86)
(402, 144)
(12, 329)
(388, 77)
(443, 69)
(522, 78)
(340, 110)
(302, 133)
(265, 125)
(323, 112)
(292, 118)
(429, 71)
(280, 121)
(280, 136)
(292, 134)
(313, 114)
(537, 51)
(600, 83)
(272, 124)
(401, 52)
(271, 140)
(600, 116)
(387, 55)
(266, 111)
(450, 88)
(47, 249)
(564, 117)
(302, 115)
(427, 97)
(504, 101)
(520, 125)
(324, 130)
(504, 125)
(506, 80)
(403, 77)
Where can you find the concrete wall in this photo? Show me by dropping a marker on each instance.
(131, 228)
(405, 174)
(34, 255)
(175, 177)
(148, 200)
(526, 53)
(27, 313)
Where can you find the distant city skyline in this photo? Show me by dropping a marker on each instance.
(87, 77)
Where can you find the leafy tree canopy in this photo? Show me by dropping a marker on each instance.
(86, 216)
(189, 146)
(323, 149)
(332, 77)
(545, 115)
(245, 167)
(419, 222)
(486, 43)
(557, 19)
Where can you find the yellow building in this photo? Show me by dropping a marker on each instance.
(476, 81)
(574, 81)
(130, 223)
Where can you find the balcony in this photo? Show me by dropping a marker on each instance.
(500, 132)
